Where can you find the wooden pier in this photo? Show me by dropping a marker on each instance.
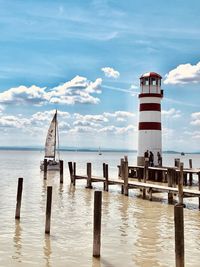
(174, 176)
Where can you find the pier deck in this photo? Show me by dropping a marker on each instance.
(145, 186)
(141, 185)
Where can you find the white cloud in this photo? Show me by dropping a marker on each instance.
(47, 115)
(13, 122)
(86, 123)
(171, 113)
(193, 134)
(195, 118)
(91, 118)
(184, 73)
(110, 72)
(167, 133)
(82, 129)
(78, 90)
(118, 130)
(119, 115)
(23, 94)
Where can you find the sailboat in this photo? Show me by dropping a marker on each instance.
(52, 146)
(100, 151)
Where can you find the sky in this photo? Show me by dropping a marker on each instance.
(85, 57)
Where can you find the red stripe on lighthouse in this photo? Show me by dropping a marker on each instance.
(149, 126)
(150, 106)
(150, 95)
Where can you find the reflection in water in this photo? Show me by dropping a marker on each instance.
(123, 208)
(96, 262)
(71, 190)
(17, 241)
(47, 250)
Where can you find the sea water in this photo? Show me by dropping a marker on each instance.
(135, 232)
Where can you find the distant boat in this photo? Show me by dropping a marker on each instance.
(100, 151)
(52, 146)
(182, 154)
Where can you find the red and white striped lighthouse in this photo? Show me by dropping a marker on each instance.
(150, 130)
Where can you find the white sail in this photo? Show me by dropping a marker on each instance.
(50, 145)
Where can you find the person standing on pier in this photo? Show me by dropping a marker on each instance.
(151, 159)
(159, 159)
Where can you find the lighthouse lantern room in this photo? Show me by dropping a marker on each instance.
(149, 127)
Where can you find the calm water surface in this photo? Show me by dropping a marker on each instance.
(135, 232)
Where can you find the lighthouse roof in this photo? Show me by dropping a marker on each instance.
(151, 74)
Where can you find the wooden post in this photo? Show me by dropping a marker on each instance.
(19, 198)
(106, 176)
(125, 177)
(179, 234)
(145, 175)
(61, 171)
(70, 165)
(74, 173)
(48, 209)
(140, 174)
(170, 174)
(104, 170)
(180, 185)
(150, 194)
(175, 177)
(89, 175)
(120, 168)
(191, 175)
(176, 162)
(199, 186)
(146, 171)
(45, 169)
(163, 173)
(97, 224)
(185, 178)
(122, 175)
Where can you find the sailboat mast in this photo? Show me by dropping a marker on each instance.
(55, 134)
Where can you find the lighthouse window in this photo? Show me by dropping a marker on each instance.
(146, 81)
(153, 81)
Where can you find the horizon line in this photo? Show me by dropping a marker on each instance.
(91, 149)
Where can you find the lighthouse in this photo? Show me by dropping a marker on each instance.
(149, 126)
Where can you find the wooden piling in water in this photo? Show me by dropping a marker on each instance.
(74, 173)
(180, 184)
(19, 198)
(104, 169)
(170, 175)
(48, 209)
(61, 171)
(179, 235)
(199, 186)
(120, 168)
(45, 169)
(89, 175)
(150, 194)
(190, 175)
(145, 175)
(104, 175)
(122, 175)
(176, 162)
(70, 165)
(106, 183)
(97, 224)
(125, 169)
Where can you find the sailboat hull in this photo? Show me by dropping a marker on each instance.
(52, 165)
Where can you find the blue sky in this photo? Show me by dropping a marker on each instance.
(85, 59)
